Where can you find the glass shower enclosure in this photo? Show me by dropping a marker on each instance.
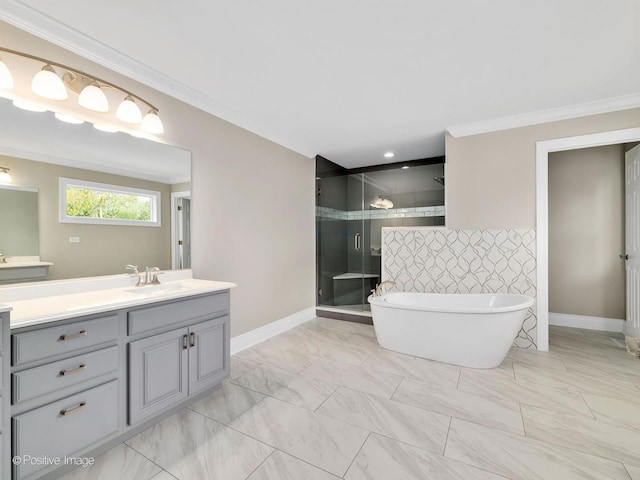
(351, 209)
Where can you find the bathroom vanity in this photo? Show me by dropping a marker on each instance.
(84, 371)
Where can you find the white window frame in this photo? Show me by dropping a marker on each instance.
(156, 208)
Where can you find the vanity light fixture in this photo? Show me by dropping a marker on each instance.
(68, 118)
(48, 84)
(105, 128)
(4, 175)
(55, 80)
(128, 111)
(382, 202)
(93, 98)
(151, 122)
(28, 106)
(6, 80)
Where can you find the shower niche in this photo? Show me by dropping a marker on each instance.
(352, 207)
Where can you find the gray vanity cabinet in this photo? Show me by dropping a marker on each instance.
(158, 373)
(208, 347)
(167, 368)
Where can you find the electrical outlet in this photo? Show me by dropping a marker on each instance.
(74, 239)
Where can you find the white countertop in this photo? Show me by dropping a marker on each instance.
(45, 309)
(24, 264)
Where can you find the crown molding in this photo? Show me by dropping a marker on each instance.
(546, 116)
(48, 28)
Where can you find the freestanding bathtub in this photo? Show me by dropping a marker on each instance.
(471, 330)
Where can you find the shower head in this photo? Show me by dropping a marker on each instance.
(439, 180)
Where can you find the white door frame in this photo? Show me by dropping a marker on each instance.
(543, 148)
(174, 224)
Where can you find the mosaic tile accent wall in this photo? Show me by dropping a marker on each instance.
(439, 260)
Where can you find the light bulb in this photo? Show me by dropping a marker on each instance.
(49, 85)
(105, 128)
(68, 118)
(28, 106)
(128, 111)
(4, 175)
(93, 98)
(6, 80)
(151, 123)
(388, 155)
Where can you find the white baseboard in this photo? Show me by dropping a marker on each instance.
(253, 337)
(583, 321)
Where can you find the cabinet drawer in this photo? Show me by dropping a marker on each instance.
(48, 342)
(152, 318)
(55, 376)
(66, 426)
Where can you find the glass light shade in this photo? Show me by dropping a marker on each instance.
(4, 175)
(48, 84)
(151, 123)
(128, 111)
(382, 202)
(68, 118)
(6, 80)
(29, 107)
(93, 98)
(105, 128)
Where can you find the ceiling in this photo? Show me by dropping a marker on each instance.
(351, 80)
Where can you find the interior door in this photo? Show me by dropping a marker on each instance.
(632, 240)
(183, 236)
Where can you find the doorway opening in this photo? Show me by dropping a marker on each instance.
(543, 149)
(181, 230)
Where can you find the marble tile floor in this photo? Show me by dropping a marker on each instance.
(323, 401)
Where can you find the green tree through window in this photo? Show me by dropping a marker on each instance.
(90, 203)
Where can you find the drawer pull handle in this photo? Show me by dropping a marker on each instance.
(73, 410)
(81, 333)
(192, 343)
(73, 370)
(184, 342)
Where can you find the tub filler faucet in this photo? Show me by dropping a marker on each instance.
(378, 290)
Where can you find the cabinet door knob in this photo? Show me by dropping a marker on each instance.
(73, 370)
(624, 257)
(81, 333)
(69, 411)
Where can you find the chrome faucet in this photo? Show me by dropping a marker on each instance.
(3, 258)
(378, 290)
(150, 275)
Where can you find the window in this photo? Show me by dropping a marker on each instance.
(104, 204)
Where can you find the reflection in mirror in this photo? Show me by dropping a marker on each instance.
(39, 150)
(19, 211)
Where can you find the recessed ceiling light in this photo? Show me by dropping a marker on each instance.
(388, 155)
(404, 167)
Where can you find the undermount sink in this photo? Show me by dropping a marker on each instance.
(153, 290)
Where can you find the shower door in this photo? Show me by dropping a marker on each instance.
(341, 243)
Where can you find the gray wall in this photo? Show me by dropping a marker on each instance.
(103, 249)
(586, 232)
(491, 177)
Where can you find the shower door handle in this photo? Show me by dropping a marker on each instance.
(356, 241)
